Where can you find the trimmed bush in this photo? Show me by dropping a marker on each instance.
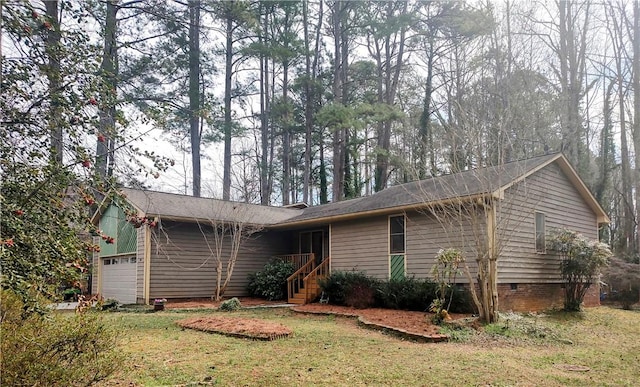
(356, 289)
(54, 349)
(350, 288)
(406, 294)
(271, 281)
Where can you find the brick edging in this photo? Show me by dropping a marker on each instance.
(398, 332)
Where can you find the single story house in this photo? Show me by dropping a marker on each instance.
(165, 246)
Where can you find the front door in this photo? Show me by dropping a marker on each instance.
(313, 242)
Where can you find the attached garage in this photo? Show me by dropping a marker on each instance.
(119, 278)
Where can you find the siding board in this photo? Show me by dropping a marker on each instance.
(548, 191)
(183, 265)
(361, 245)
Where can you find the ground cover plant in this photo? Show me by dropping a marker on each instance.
(327, 350)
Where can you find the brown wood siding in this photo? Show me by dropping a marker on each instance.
(427, 234)
(361, 245)
(182, 265)
(550, 192)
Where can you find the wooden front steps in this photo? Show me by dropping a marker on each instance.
(310, 292)
(303, 284)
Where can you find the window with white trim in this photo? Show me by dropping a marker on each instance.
(396, 234)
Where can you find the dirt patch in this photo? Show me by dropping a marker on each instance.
(238, 327)
(408, 321)
(199, 303)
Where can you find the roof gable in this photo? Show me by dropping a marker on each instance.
(466, 185)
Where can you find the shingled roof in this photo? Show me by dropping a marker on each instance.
(465, 185)
(189, 208)
(462, 185)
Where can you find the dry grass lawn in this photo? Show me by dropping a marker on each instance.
(330, 351)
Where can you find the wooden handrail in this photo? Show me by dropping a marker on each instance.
(320, 271)
(298, 260)
(296, 280)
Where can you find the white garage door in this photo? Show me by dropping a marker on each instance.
(119, 279)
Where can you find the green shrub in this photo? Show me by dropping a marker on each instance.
(230, 305)
(54, 349)
(406, 294)
(460, 300)
(581, 261)
(350, 288)
(271, 281)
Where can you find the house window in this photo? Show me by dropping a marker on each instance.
(396, 234)
(540, 233)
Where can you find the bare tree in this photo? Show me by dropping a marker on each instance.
(225, 239)
(479, 212)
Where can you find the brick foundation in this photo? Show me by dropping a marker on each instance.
(539, 297)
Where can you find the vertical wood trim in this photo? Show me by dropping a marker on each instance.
(98, 272)
(147, 263)
(329, 248)
(492, 220)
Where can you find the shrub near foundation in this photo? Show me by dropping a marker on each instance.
(271, 282)
(350, 288)
(54, 349)
(406, 294)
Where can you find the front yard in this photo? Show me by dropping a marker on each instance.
(598, 347)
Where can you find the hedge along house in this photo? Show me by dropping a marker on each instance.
(504, 212)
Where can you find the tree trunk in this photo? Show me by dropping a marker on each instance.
(286, 138)
(107, 109)
(636, 117)
(226, 178)
(264, 120)
(426, 158)
(339, 67)
(194, 91)
(54, 77)
(308, 106)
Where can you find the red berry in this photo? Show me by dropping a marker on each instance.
(101, 138)
(27, 29)
(34, 14)
(9, 242)
(18, 212)
(89, 200)
(153, 224)
(86, 163)
(93, 101)
(46, 25)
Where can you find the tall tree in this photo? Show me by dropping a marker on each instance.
(636, 120)
(194, 93)
(105, 146)
(570, 48)
(54, 77)
(386, 40)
